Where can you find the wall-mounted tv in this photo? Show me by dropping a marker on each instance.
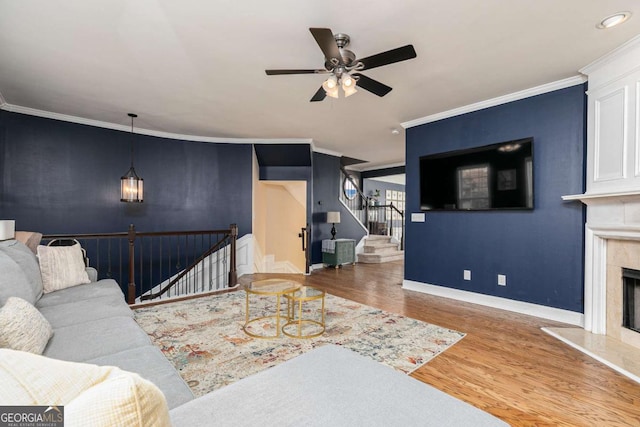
(497, 176)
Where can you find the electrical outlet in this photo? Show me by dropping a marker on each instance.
(502, 280)
(467, 275)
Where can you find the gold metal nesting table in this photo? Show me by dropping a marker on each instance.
(298, 323)
(295, 320)
(268, 288)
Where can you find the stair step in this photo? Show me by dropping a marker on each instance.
(379, 258)
(370, 247)
(378, 237)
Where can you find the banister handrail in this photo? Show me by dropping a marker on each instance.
(229, 236)
(391, 205)
(183, 272)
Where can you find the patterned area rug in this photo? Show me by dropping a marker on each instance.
(204, 339)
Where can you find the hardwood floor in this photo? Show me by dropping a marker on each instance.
(505, 364)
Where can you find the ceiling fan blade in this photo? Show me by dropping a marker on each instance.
(278, 72)
(371, 85)
(326, 41)
(389, 57)
(319, 95)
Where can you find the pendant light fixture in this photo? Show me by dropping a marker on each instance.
(131, 185)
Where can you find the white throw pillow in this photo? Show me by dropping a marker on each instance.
(23, 327)
(61, 267)
(92, 395)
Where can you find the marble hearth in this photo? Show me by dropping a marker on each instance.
(612, 242)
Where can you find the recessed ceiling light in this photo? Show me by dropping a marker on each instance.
(613, 20)
(395, 131)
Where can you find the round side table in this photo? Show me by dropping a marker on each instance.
(298, 326)
(267, 288)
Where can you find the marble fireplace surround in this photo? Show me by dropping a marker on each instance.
(615, 218)
(612, 241)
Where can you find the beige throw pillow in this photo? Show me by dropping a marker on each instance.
(23, 327)
(92, 395)
(61, 267)
(29, 238)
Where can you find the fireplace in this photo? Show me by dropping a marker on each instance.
(631, 299)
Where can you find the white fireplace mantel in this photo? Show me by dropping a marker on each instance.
(604, 198)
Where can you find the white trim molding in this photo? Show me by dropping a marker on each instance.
(551, 313)
(516, 96)
(160, 134)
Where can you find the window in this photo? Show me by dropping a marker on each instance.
(473, 187)
(350, 191)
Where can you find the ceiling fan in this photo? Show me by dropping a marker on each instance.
(345, 69)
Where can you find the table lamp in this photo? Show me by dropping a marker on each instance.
(333, 218)
(8, 229)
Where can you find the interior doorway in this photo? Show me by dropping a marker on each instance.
(280, 209)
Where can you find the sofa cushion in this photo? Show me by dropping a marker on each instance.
(123, 399)
(28, 262)
(151, 364)
(101, 288)
(76, 312)
(96, 338)
(330, 386)
(61, 267)
(92, 395)
(30, 238)
(13, 281)
(22, 327)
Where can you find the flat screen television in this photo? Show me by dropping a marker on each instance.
(497, 176)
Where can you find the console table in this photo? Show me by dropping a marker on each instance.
(338, 252)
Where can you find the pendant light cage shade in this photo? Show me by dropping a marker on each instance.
(131, 187)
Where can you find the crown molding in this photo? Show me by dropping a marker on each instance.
(139, 131)
(516, 96)
(611, 56)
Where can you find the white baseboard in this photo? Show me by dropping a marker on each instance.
(551, 313)
(317, 266)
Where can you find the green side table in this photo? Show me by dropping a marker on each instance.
(338, 252)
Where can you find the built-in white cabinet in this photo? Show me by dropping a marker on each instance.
(613, 133)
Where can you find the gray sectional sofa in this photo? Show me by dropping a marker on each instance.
(91, 323)
(326, 386)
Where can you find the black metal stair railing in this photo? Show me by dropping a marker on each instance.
(152, 265)
(385, 220)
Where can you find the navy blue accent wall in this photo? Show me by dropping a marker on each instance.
(60, 177)
(326, 193)
(540, 251)
(396, 170)
(283, 154)
(285, 173)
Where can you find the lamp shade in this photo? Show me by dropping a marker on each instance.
(131, 187)
(333, 217)
(7, 229)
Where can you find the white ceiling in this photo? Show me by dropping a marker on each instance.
(196, 67)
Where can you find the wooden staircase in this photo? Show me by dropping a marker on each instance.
(379, 249)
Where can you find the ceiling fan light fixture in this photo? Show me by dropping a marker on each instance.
(333, 92)
(349, 90)
(330, 83)
(347, 81)
(613, 20)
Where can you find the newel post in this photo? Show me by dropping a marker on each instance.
(233, 273)
(131, 290)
